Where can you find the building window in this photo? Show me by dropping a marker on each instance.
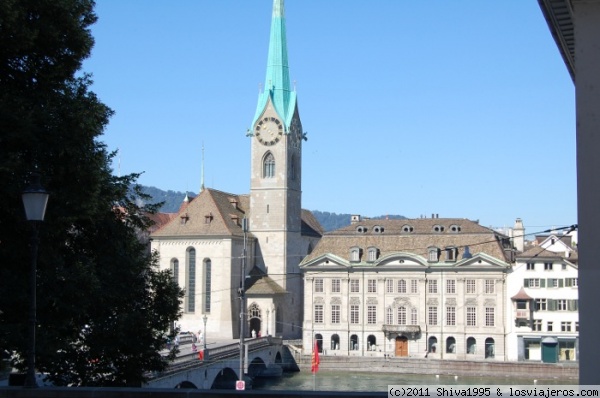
(432, 316)
(450, 316)
(565, 326)
(489, 286)
(471, 316)
(451, 286)
(355, 254)
(191, 280)
(413, 316)
(432, 254)
(353, 343)
(490, 349)
(541, 304)
(371, 254)
(318, 313)
(372, 314)
(335, 313)
(401, 315)
(571, 282)
(318, 285)
(471, 345)
(537, 325)
(389, 316)
(269, 166)
(561, 305)
(175, 270)
(533, 282)
(207, 284)
(530, 266)
(389, 286)
(450, 253)
(553, 282)
(432, 284)
(335, 342)
(354, 314)
(336, 285)
(577, 326)
(401, 286)
(451, 345)
(471, 286)
(549, 326)
(354, 286)
(372, 286)
(414, 286)
(548, 266)
(490, 316)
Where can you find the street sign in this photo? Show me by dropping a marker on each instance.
(240, 385)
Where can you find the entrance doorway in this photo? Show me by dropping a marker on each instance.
(401, 347)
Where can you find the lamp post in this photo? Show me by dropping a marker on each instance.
(204, 318)
(35, 199)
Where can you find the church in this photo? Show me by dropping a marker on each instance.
(222, 244)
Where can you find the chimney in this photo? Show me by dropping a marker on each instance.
(355, 218)
(519, 235)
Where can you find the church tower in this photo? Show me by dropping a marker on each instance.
(276, 174)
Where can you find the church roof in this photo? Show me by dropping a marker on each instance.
(210, 213)
(260, 283)
(414, 236)
(277, 82)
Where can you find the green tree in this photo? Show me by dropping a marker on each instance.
(103, 306)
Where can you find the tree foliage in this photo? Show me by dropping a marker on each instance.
(103, 307)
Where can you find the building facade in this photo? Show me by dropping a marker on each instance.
(408, 288)
(266, 232)
(544, 299)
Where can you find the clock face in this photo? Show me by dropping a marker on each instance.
(269, 131)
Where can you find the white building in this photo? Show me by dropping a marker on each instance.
(408, 288)
(543, 291)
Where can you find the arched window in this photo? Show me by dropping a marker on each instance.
(207, 284)
(432, 344)
(353, 343)
(191, 279)
(335, 342)
(471, 345)
(401, 315)
(175, 270)
(254, 311)
(451, 345)
(269, 166)
(401, 286)
(319, 340)
(490, 348)
(371, 343)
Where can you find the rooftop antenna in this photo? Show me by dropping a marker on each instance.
(202, 170)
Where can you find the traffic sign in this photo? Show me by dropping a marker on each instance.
(240, 385)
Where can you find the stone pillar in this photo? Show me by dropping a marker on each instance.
(587, 98)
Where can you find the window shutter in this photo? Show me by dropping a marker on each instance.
(560, 282)
(542, 283)
(526, 282)
(568, 282)
(551, 305)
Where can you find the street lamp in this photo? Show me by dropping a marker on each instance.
(204, 318)
(35, 199)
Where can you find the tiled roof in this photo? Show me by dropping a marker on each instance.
(521, 295)
(413, 236)
(261, 284)
(538, 252)
(218, 213)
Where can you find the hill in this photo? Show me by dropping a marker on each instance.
(172, 201)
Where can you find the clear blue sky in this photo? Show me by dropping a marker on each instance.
(461, 108)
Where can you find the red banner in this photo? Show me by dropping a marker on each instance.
(315, 359)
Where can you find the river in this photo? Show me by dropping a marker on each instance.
(364, 381)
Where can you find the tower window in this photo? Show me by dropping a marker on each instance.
(269, 166)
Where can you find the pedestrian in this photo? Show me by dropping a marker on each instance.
(253, 333)
(258, 334)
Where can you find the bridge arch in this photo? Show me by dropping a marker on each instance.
(225, 380)
(186, 384)
(256, 367)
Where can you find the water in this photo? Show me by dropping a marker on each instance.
(365, 381)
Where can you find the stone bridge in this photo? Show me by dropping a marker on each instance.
(267, 357)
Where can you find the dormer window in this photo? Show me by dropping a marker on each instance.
(372, 254)
(438, 228)
(208, 218)
(184, 219)
(451, 253)
(355, 254)
(455, 228)
(361, 229)
(378, 229)
(234, 202)
(407, 229)
(433, 254)
(236, 219)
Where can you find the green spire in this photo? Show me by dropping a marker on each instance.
(277, 82)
